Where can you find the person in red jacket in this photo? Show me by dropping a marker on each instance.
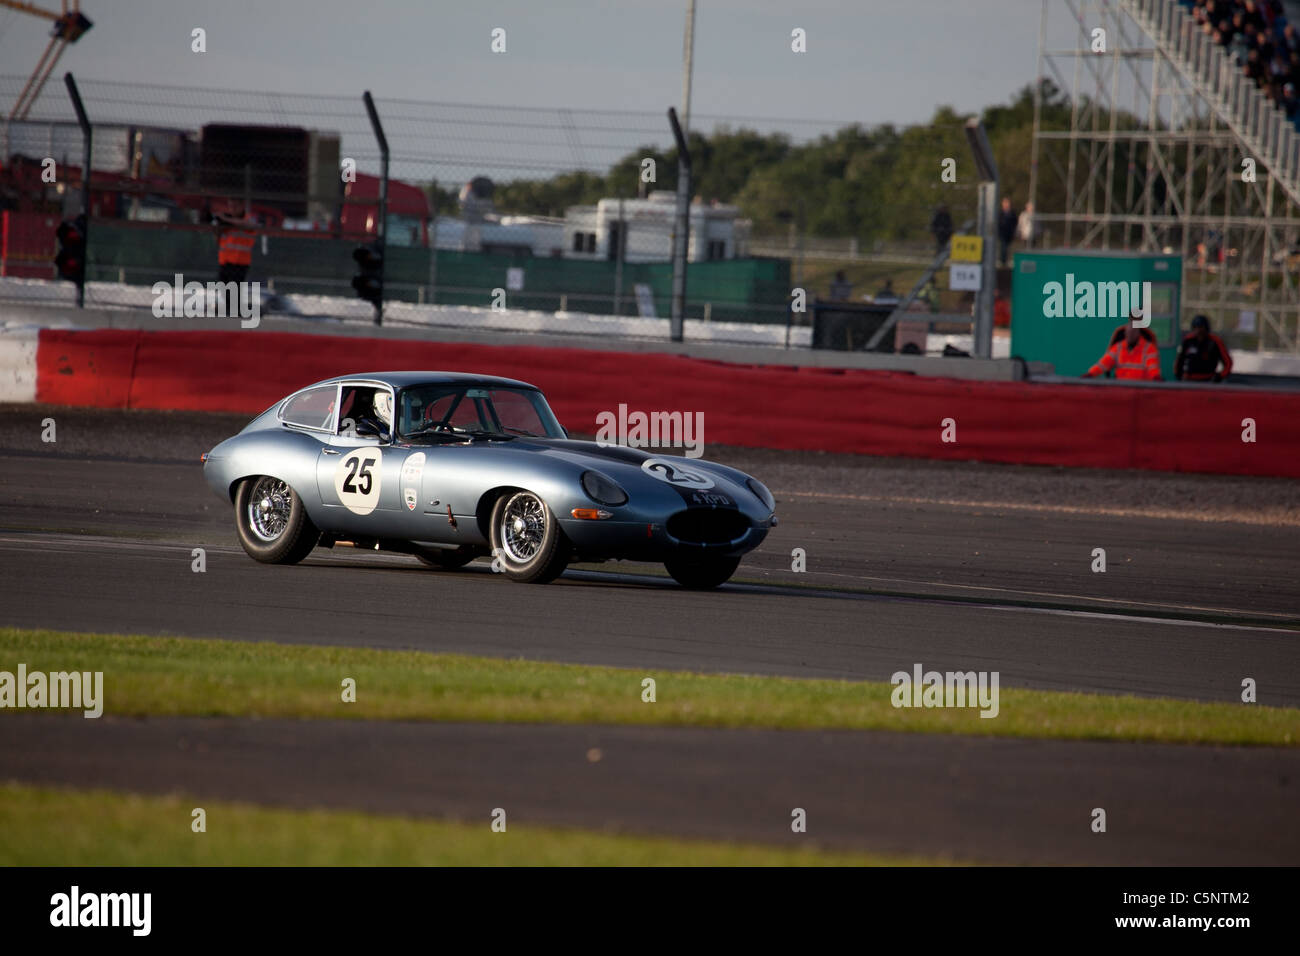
(235, 239)
(1134, 356)
(1201, 354)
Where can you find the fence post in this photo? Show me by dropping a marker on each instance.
(681, 227)
(381, 223)
(84, 123)
(618, 265)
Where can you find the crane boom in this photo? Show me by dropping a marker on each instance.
(69, 25)
(33, 9)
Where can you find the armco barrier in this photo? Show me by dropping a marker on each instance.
(838, 410)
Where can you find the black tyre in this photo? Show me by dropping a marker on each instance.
(702, 574)
(447, 559)
(527, 539)
(272, 522)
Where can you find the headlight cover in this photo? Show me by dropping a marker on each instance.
(602, 490)
(760, 490)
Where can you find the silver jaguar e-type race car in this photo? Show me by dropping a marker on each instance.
(450, 467)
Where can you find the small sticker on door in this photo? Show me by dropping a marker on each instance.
(412, 471)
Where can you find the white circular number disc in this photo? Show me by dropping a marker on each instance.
(357, 480)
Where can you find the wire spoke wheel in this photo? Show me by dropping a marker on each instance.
(527, 541)
(270, 505)
(272, 521)
(523, 527)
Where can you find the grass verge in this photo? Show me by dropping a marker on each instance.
(161, 676)
(46, 826)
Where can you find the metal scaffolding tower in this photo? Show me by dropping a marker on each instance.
(1153, 157)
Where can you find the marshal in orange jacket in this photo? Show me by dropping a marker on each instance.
(235, 247)
(1142, 361)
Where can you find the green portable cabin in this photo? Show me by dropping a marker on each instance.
(1065, 305)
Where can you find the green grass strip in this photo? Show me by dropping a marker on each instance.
(45, 826)
(159, 676)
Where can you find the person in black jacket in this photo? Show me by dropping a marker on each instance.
(1007, 222)
(941, 226)
(1201, 354)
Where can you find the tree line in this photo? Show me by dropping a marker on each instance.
(877, 183)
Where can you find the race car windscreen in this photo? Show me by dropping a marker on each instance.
(457, 408)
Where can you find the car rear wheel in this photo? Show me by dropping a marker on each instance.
(527, 539)
(272, 521)
(702, 574)
(447, 559)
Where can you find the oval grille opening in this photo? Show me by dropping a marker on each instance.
(707, 525)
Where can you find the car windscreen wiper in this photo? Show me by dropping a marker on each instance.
(483, 433)
(457, 433)
(431, 433)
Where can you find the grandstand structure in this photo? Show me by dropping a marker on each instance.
(1164, 137)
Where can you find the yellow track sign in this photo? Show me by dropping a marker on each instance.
(967, 249)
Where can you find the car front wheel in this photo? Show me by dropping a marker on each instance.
(272, 521)
(527, 540)
(702, 574)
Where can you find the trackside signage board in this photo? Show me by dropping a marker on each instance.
(1066, 305)
(967, 249)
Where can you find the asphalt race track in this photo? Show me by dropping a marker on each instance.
(96, 534)
(967, 799)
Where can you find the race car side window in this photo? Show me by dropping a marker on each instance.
(311, 408)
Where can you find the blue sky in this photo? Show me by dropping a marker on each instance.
(869, 61)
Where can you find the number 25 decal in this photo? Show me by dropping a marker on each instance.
(675, 474)
(353, 471)
(358, 479)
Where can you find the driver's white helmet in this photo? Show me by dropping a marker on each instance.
(384, 408)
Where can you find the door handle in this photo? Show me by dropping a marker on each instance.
(331, 451)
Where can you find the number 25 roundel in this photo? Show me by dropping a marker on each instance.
(357, 480)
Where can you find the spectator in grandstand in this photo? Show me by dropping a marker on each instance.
(1250, 14)
(1200, 355)
(1243, 42)
(1237, 33)
(1007, 222)
(1279, 69)
(1264, 43)
(841, 288)
(941, 227)
(1253, 69)
(1132, 355)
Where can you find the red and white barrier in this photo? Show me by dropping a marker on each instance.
(18, 365)
(837, 410)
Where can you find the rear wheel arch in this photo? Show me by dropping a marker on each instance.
(236, 482)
